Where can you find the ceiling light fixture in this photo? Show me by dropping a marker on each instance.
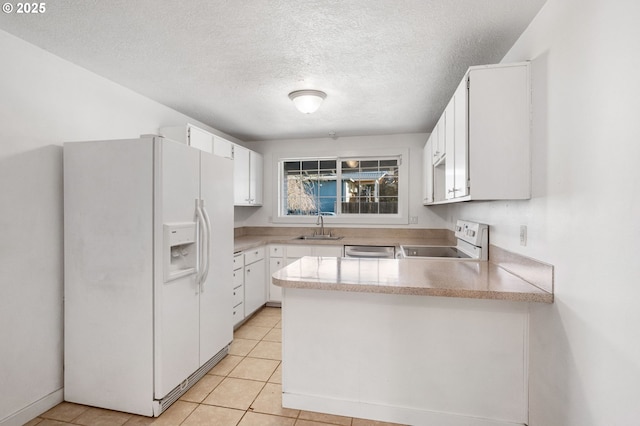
(307, 101)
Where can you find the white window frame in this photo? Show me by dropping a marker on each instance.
(400, 218)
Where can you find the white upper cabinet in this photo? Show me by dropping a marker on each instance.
(247, 177)
(486, 132)
(222, 147)
(199, 138)
(427, 170)
(456, 166)
(438, 145)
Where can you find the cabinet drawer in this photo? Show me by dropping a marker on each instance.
(238, 261)
(274, 265)
(238, 278)
(253, 255)
(238, 313)
(238, 295)
(329, 251)
(276, 251)
(299, 251)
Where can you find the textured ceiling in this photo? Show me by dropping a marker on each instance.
(387, 66)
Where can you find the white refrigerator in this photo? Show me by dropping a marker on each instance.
(148, 242)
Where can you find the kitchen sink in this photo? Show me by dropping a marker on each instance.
(433, 251)
(318, 237)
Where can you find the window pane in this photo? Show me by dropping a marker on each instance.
(328, 165)
(350, 164)
(310, 165)
(388, 163)
(300, 198)
(291, 165)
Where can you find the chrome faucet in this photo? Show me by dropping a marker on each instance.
(320, 221)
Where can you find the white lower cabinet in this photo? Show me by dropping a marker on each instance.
(249, 283)
(281, 255)
(238, 288)
(255, 290)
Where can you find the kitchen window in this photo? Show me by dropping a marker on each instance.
(342, 189)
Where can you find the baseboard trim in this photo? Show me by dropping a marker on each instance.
(34, 409)
(385, 413)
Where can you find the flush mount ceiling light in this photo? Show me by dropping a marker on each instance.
(307, 101)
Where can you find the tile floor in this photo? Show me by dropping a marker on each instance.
(244, 389)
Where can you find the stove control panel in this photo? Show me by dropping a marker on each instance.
(473, 233)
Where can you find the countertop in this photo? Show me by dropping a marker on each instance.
(422, 277)
(259, 236)
(506, 276)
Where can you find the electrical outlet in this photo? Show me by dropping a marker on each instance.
(413, 220)
(523, 235)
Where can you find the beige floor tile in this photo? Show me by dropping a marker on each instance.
(234, 393)
(301, 422)
(207, 415)
(202, 389)
(268, 350)
(325, 418)
(64, 412)
(278, 325)
(102, 417)
(258, 419)
(274, 335)
(251, 332)
(139, 421)
(176, 414)
(276, 377)
(269, 311)
(255, 369)
(225, 366)
(50, 422)
(33, 422)
(269, 401)
(364, 422)
(263, 321)
(241, 347)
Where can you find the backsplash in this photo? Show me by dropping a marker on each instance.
(408, 233)
(537, 273)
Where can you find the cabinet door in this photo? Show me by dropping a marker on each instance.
(200, 139)
(241, 195)
(461, 145)
(222, 147)
(427, 172)
(275, 292)
(457, 168)
(439, 141)
(255, 178)
(255, 290)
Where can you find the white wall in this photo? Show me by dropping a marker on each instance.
(584, 216)
(45, 101)
(358, 145)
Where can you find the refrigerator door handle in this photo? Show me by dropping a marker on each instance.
(207, 222)
(202, 231)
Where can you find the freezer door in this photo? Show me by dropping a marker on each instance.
(216, 191)
(176, 302)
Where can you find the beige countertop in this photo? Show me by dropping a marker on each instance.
(247, 242)
(250, 237)
(423, 277)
